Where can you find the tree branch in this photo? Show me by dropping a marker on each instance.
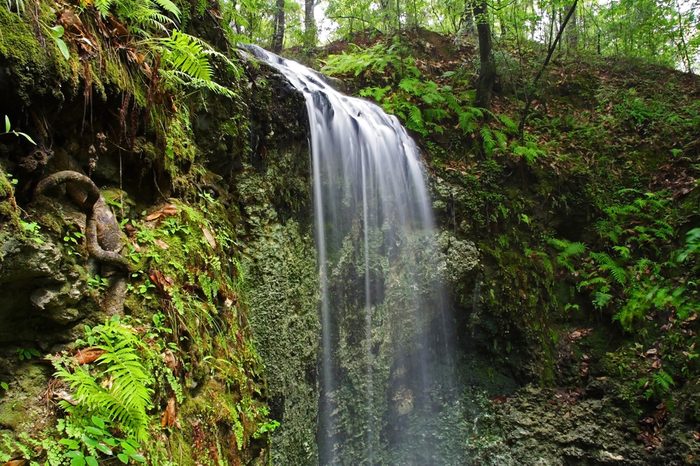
(550, 53)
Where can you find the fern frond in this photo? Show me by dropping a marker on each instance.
(488, 140)
(119, 389)
(607, 263)
(170, 7)
(103, 6)
(185, 54)
(178, 78)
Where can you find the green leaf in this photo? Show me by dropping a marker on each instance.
(4, 385)
(111, 441)
(104, 449)
(62, 47)
(25, 136)
(56, 31)
(98, 421)
(138, 458)
(70, 443)
(89, 441)
(8, 127)
(95, 431)
(91, 461)
(78, 460)
(123, 457)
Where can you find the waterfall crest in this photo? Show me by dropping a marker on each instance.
(385, 365)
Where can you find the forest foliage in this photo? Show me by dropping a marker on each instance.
(636, 264)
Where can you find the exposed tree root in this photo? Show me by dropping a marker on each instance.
(103, 236)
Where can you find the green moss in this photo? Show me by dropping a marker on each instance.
(282, 287)
(194, 286)
(9, 212)
(33, 61)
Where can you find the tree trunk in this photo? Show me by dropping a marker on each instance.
(278, 34)
(309, 25)
(528, 103)
(487, 68)
(467, 24)
(572, 31)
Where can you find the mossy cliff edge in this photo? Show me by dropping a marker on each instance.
(209, 183)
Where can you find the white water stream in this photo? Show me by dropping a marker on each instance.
(385, 353)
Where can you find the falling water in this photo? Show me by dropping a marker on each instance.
(385, 367)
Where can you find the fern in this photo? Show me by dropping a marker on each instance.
(103, 6)
(608, 264)
(601, 298)
(178, 78)
(188, 65)
(170, 7)
(567, 250)
(186, 55)
(140, 13)
(509, 124)
(661, 383)
(415, 118)
(488, 140)
(119, 387)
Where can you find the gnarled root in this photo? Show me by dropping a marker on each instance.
(103, 236)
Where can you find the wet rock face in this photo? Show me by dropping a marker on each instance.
(39, 291)
(565, 427)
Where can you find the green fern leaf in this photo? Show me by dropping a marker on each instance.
(488, 140)
(103, 6)
(186, 54)
(170, 7)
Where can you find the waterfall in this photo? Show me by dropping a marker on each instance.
(386, 374)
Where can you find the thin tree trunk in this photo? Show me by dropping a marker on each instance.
(528, 103)
(572, 32)
(309, 25)
(278, 34)
(487, 68)
(466, 22)
(683, 44)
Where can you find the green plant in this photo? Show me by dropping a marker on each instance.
(660, 385)
(32, 229)
(127, 398)
(141, 16)
(567, 251)
(187, 60)
(17, 4)
(73, 239)
(692, 246)
(98, 283)
(19, 134)
(56, 33)
(87, 439)
(25, 354)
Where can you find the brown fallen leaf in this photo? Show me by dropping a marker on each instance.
(169, 416)
(15, 462)
(209, 237)
(162, 282)
(171, 362)
(71, 22)
(162, 244)
(88, 355)
(579, 333)
(166, 210)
